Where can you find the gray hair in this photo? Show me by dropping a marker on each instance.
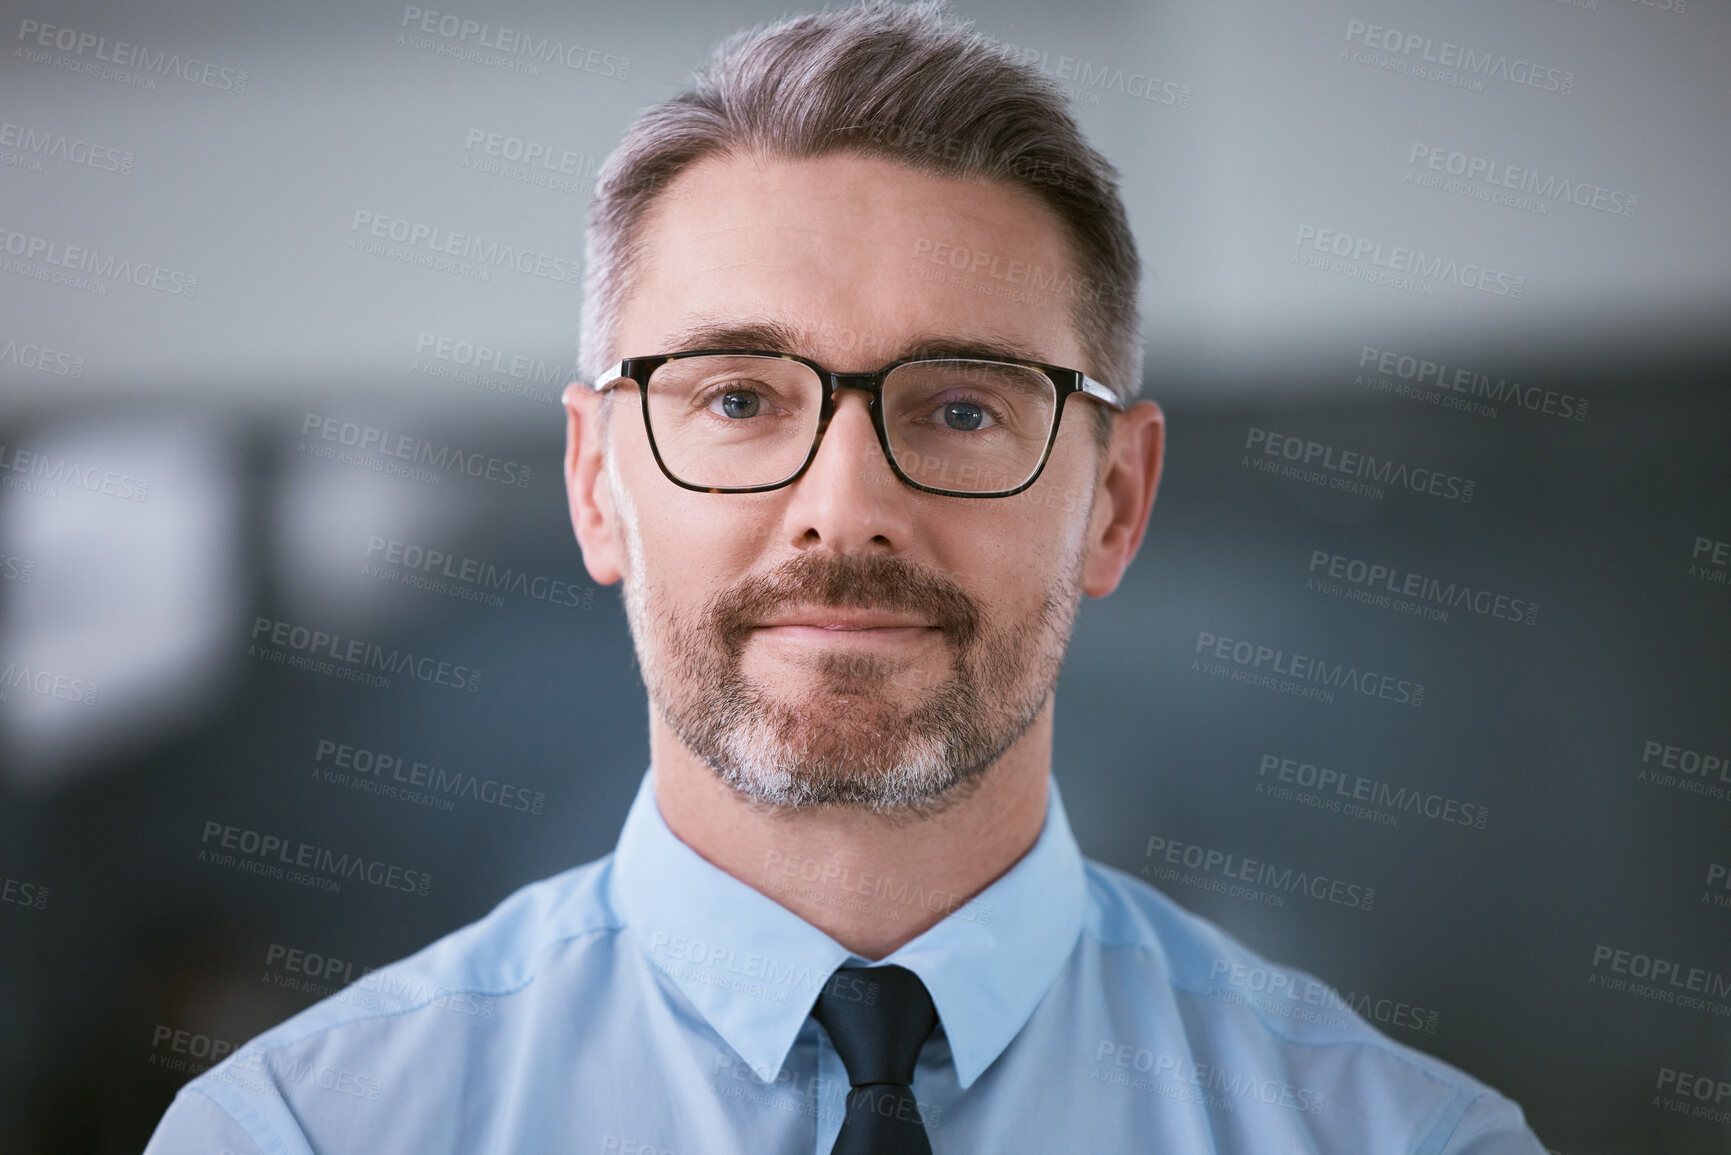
(901, 82)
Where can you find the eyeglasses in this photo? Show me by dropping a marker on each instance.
(747, 422)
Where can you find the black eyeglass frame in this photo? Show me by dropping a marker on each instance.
(1066, 381)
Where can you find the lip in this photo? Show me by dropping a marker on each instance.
(846, 621)
(847, 636)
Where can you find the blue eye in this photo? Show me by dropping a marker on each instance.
(740, 403)
(963, 415)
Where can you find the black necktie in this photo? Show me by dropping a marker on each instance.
(878, 1018)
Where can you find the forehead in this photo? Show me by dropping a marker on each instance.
(855, 259)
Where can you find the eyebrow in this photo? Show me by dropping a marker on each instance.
(769, 334)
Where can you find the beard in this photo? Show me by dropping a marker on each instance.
(863, 730)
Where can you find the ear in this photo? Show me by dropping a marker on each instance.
(592, 514)
(1124, 497)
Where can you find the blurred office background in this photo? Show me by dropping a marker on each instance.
(219, 297)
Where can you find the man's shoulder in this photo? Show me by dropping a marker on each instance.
(352, 1042)
(1192, 954)
(468, 970)
(1232, 989)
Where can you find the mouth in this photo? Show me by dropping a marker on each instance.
(844, 626)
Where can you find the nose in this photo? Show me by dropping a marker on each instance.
(850, 500)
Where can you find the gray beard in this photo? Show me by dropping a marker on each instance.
(842, 741)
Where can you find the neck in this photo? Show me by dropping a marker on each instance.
(870, 881)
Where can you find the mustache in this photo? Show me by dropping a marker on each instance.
(826, 579)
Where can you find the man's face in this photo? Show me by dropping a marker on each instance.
(846, 639)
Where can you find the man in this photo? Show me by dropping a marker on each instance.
(856, 437)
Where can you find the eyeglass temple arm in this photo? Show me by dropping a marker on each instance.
(617, 373)
(1094, 389)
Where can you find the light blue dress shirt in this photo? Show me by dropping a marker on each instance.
(650, 1004)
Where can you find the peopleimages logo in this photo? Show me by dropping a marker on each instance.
(446, 573)
(39, 143)
(41, 359)
(1226, 866)
(328, 653)
(1399, 266)
(1351, 468)
(1711, 1097)
(415, 781)
(22, 893)
(1280, 992)
(431, 242)
(835, 883)
(1341, 792)
(1718, 879)
(983, 265)
(1090, 78)
(1693, 771)
(190, 69)
(1276, 668)
(43, 475)
(1383, 585)
(719, 964)
(1710, 560)
(304, 966)
(1483, 179)
(383, 452)
(1456, 62)
(1448, 380)
(461, 31)
(485, 367)
(89, 270)
(1661, 979)
(66, 687)
(1185, 1072)
(268, 853)
(537, 162)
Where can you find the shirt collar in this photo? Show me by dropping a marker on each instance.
(752, 968)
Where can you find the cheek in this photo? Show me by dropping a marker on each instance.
(693, 545)
(1011, 561)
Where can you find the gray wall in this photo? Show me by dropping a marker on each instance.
(157, 497)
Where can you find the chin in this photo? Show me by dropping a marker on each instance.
(878, 758)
